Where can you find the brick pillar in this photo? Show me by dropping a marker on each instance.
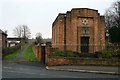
(36, 51)
(39, 52)
(48, 51)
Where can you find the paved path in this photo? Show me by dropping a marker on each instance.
(83, 68)
(20, 56)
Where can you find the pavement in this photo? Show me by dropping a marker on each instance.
(87, 69)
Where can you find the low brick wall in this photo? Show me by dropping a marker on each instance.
(51, 61)
(37, 51)
(79, 61)
(57, 61)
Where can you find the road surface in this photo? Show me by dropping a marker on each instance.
(37, 70)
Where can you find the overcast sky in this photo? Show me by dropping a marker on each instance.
(39, 15)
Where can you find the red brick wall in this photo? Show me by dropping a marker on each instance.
(68, 31)
(57, 61)
(4, 40)
(78, 61)
(37, 51)
(51, 61)
(102, 32)
(48, 50)
(58, 32)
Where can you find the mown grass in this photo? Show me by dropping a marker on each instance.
(12, 55)
(29, 54)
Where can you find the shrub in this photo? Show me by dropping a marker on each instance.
(9, 50)
(108, 53)
(58, 53)
(87, 55)
(98, 54)
(69, 54)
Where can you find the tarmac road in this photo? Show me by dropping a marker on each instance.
(37, 70)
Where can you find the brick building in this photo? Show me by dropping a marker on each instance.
(81, 30)
(3, 39)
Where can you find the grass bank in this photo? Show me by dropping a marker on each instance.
(29, 54)
(12, 55)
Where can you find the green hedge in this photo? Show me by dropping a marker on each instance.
(111, 53)
(108, 53)
(58, 53)
(12, 55)
(10, 50)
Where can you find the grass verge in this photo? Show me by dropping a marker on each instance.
(29, 54)
(12, 55)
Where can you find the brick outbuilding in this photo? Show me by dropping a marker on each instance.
(3, 39)
(80, 30)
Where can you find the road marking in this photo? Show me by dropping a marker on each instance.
(23, 72)
(7, 67)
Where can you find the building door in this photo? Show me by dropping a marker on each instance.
(84, 44)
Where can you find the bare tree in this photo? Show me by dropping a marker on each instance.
(112, 19)
(18, 31)
(22, 31)
(112, 15)
(39, 38)
(26, 31)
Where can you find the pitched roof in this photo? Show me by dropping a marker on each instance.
(1, 32)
